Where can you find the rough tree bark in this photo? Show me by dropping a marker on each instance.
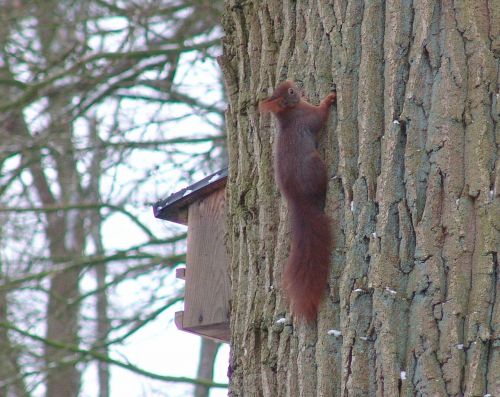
(412, 150)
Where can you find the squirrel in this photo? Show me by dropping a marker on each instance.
(301, 176)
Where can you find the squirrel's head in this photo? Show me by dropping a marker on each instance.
(284, 97)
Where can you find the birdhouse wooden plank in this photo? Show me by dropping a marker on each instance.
(202, 208)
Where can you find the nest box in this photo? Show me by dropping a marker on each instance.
(201, 207)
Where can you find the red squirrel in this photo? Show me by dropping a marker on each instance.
(302, 178)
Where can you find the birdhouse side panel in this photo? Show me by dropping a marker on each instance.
(207, 289)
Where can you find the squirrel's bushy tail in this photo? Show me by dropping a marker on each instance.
(306, 272)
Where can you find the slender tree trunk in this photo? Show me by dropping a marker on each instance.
(208, 353)
(412, 152)
(103, 325)
(103, 328)
(64, 231)
(11, 384)
(66, 240)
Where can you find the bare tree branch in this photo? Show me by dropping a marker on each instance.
(98, 356)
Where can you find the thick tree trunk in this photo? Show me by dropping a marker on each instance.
(412, 151)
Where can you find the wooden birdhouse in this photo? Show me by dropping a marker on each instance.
(201, 207)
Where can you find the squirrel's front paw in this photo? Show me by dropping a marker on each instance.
(330, 99)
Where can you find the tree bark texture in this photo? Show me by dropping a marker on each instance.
(412, 151)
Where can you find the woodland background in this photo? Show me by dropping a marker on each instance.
(105, 107)
(100, 117)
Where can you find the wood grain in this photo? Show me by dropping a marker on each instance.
(207, 281)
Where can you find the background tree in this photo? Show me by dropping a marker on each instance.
(97, 113)
(412, 151)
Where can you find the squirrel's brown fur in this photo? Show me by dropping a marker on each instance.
(302, 178)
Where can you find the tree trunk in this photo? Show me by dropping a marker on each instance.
(65, 231)
(412, 153)
(11, 384)
(208, 353)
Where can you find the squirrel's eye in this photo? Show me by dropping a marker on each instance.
(291, 91)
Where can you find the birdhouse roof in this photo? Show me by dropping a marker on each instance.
(174, 207)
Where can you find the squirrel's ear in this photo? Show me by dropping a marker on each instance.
(272, 104)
